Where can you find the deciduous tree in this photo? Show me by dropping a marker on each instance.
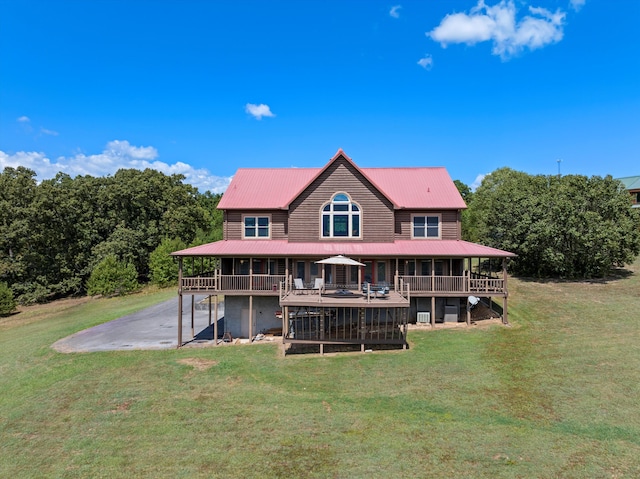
(570, 226)
(164, 270)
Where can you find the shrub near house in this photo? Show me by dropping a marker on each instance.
(7, 303)
(112, 277)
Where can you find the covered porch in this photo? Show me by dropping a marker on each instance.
(340, 303)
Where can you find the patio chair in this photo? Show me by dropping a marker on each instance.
(299, 286)
(382, 290)
(319, 285)
(377, 291)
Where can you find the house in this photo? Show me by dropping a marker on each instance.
(632, 185)
(341, 254)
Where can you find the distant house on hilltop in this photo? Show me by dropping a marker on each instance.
(341, 254)
(632, 184)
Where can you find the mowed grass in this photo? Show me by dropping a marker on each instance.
(555, 395)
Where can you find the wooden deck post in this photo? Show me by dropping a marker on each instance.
(215, 324)
(404, 326)
(179, 301)
(285, 323)
(433, 273)
(433, 311)
(250, 317)
(209, 310)
(286, 275)
(505, 316)
(193, 309)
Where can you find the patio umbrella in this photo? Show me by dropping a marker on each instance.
(341, 260)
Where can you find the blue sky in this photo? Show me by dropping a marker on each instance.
(205, 87)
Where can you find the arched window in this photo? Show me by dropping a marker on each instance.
(341, 218)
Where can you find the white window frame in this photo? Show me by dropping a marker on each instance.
(425, 216)
(349, 213)
(257, 228)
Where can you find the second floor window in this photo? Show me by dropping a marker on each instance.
(341, 218)
(256, 227)
(426, 227)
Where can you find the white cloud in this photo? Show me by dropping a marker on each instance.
(577, 4)
(426, 62)
(116, 155)
(25, 121)
(394, 12)
(48, 132)
(477, 182)
(498, 24)
(258, 111)
(119, 148)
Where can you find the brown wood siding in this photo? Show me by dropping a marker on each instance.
(341, 176)
(224, 225)
(450, 224)
(233, 224)
(450, 229)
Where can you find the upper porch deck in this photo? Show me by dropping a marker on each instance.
(403, 285)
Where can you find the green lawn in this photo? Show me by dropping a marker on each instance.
(555, 395)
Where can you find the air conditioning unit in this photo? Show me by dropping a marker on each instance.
(424, 317)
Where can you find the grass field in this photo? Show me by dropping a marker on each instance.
(554, 396)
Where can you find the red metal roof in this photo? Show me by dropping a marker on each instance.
(426, 187)
(276, 188)
(355, 250)
(264, 188)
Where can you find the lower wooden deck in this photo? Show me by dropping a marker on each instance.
(344, 325)
(344, 298)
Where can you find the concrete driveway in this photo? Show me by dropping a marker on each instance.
(152, 328)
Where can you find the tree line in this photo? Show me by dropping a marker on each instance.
(54, 234)
(103, 235)
(570, 226)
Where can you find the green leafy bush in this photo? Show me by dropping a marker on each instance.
(164, 270)
(112, 277)
(7, 303)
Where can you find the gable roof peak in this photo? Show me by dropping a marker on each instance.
(339, 153)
